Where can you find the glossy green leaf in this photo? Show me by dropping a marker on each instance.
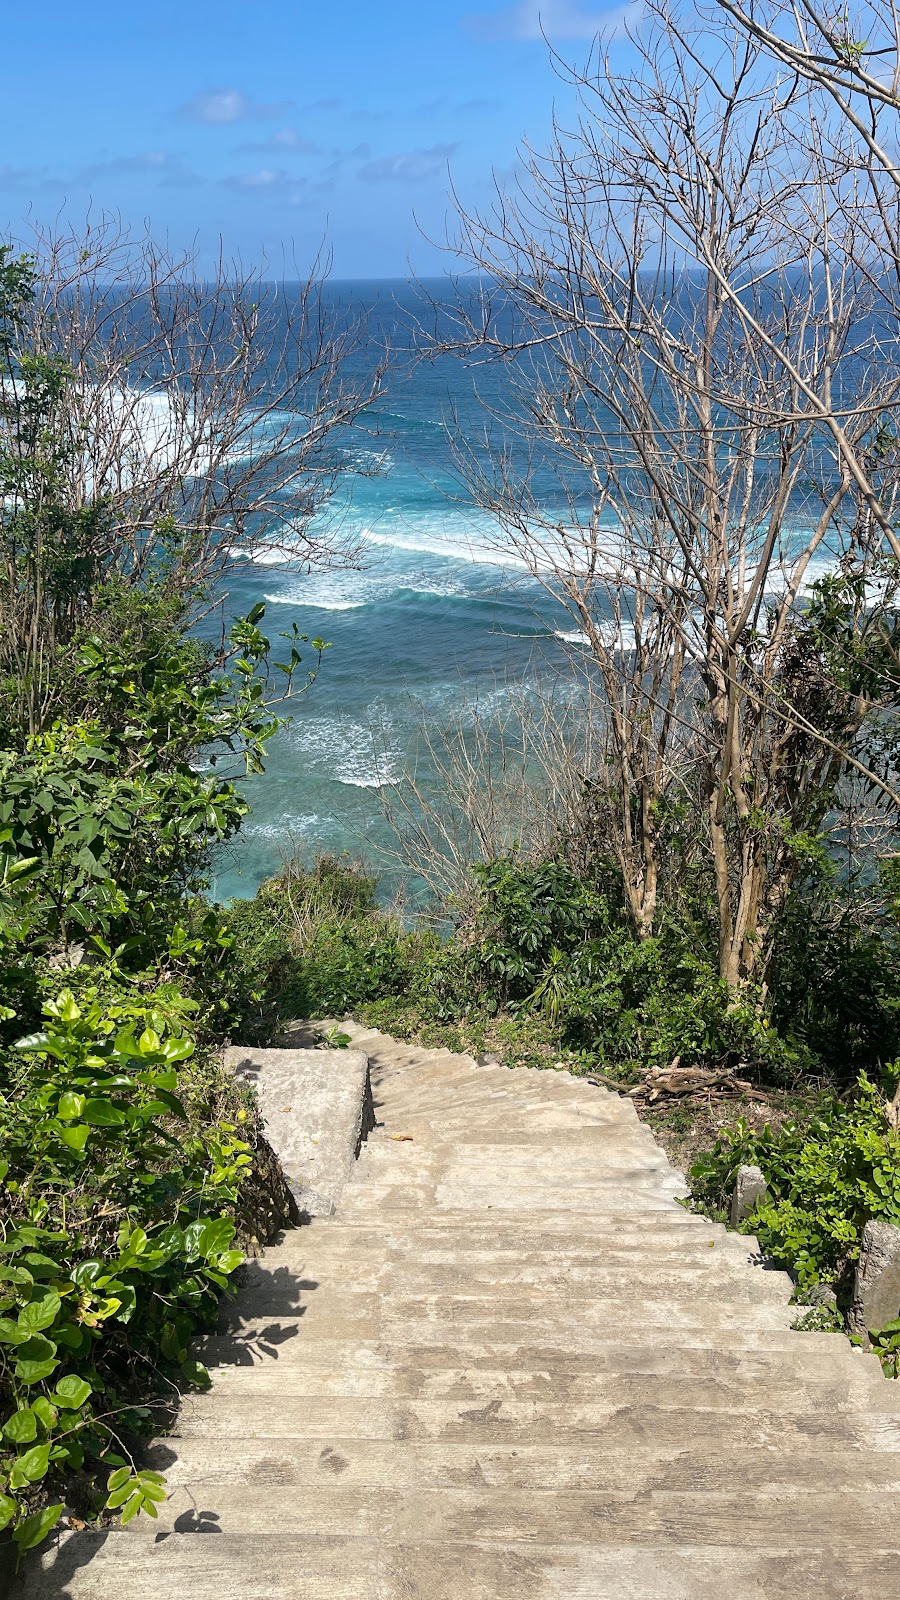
(46, 1413)
(71, 1105)
(103, 1114)
(196, 1374)
(40, 1313)
(34, 1463)
(131, 1508)
(21, 1427)
(76, 1136)
(34, 1530)
(216, 1236)
(72, 1391)
(30, 1371)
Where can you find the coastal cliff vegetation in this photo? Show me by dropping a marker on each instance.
(138, 457)
(688, 884)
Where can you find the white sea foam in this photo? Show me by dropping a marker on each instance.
(363, 755)
(376, 585)
(292, 598)
(458, 545)
(284, 827)
(377, 463)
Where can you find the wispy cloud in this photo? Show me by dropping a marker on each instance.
(285, 142)
(28, 180)
(410, 166)
(169, 170)
(219, 107)
(365, 114)
(554, 19)
(431, 108)
(269, 183)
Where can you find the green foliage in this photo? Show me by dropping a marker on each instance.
(117, 1240)
(886, 1344)
(539, 951)
(827, 1176)
(528, 916)
(123, 1158)
(835, 974)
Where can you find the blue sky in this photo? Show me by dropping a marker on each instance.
(278, 124)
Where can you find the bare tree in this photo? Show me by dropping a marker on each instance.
(152, 411)
(506, 776)
(683, 291)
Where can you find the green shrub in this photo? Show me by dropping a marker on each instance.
(827, 1176)
(523, 914)
(536, 941)
(836, 972)
(118, 1221)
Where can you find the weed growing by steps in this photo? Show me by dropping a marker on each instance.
(540, 968)
(122, 1170)
(539, 965)
(827, 1175)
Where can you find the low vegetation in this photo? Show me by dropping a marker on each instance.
(541, 966)
(133, 1173)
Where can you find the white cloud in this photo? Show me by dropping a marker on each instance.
(286, 142)
(410, 166)
(555, 19)
(223, 106)
(271, 183)
(169, 170)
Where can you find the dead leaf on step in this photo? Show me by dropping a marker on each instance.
(402, 1138)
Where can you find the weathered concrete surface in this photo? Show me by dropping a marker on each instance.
(512, 1367)
(317, 1109)
(749, 1187)
(876, 1299)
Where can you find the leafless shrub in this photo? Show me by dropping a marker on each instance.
(682, 289)
(198, 421)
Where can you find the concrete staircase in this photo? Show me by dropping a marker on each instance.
(512, 1367)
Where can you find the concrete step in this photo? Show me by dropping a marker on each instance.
(568, 1516)
(599, 1425)
(314, 1304)
(564, 1381)
(309, 1467)
(396, 1200)
(290, 1566)
(401, 1277)
(383, 1153)
(757, 1355)
(512, 1367)
(346, 1256)
(555, 1230)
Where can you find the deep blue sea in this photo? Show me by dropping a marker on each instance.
(428, 620)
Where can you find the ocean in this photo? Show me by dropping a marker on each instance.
(430, 621)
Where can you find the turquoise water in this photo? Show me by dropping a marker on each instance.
(429, 619)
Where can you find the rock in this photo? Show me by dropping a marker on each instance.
(488, 1059)
(876, 1298)
(821, 1294)
(74, 955)
(749, 1188)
